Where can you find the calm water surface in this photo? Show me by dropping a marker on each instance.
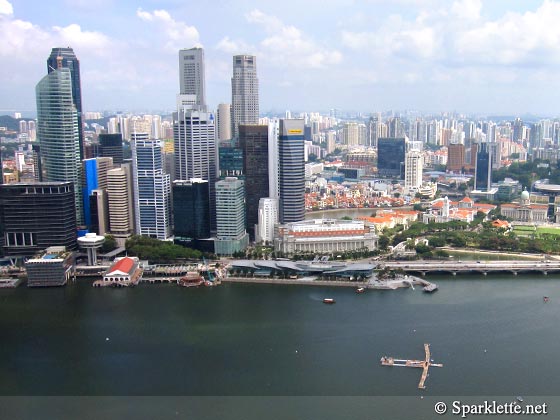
(495, 336)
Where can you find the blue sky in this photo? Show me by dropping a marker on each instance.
(495, 56)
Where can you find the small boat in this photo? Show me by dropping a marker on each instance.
(432, 287)
(520, 399)
(328, 300)
(545, 299)
(360, 290)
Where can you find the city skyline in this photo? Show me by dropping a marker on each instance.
(467, 56)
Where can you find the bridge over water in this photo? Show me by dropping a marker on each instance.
(483, 267)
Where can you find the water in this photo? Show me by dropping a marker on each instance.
(494, 335)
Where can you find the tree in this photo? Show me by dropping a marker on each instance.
(109, 245)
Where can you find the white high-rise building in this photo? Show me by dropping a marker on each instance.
(414, 163)
(273, 170)
(191, 74)
(152, 188)
(195, 149)
(244, 92)
(223, 122)
(268, 217)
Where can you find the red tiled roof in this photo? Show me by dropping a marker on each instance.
(124, 264)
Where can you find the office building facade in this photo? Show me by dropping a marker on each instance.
(192, 75)
(195, 149)
(36, 216)
(111, 145)
(120, 203)
(244, 92)
(152, 188)
(191, 209)
(65, 58)
(291, 167)
(253, 141)
(57, 130)
(230, 217)
(390, 157)
(268, 218)
(483, 168)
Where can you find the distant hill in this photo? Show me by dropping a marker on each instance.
(9, 122)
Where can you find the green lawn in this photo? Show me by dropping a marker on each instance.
(552, 231)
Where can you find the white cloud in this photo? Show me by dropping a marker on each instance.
(232, 47)
(179, 34)
(288, 46)
(6, 8)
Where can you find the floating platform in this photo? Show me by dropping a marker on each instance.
(424, 364)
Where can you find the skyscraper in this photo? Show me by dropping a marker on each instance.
(195, 149)
(291, 170)
(111, 145)
(253, 141)
(152, 188)
(483, 168)
(191, 209)
(57, 129)
(268, 217)
(244, 92)
(223, 123)
(65, 58)
(230, 217)
(390, 157)
(414, 164)
(95, 178)
(191, 75)
(194, 127)
(119, 197)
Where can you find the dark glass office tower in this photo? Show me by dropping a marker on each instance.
(483, 169)
(191, 209)
(253, 141)
(36, 216)
(292, 171)
(390, 157)
(70, 61)
(111, 145)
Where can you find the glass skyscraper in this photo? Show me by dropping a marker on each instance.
(253, 141)
(390, 157)
(58, 133)
(65, 58)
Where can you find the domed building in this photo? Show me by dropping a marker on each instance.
(525, 211)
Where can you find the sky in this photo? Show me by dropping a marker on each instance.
(470, 56)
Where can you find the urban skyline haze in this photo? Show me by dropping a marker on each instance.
(430, 55)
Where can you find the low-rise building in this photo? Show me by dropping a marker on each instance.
(324, 236)
(52, 267)
(124, 271)
(525, 211)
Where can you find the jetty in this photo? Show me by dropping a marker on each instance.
(423, 364)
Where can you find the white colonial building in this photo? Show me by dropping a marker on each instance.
(324, 236)
(525, 211)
